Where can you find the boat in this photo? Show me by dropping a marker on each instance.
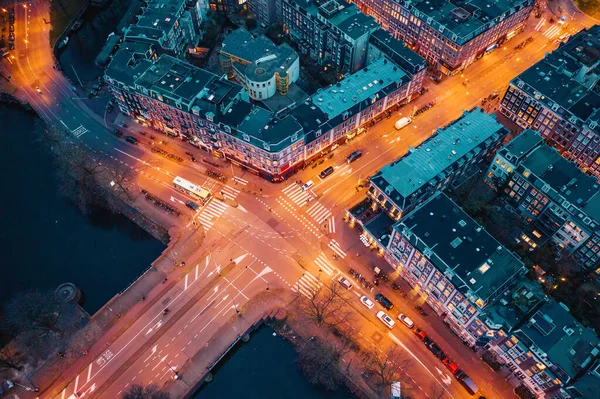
(63, 43)
(76, 25)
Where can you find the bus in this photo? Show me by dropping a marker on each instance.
(191, 189)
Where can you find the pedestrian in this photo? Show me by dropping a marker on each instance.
(143, 298)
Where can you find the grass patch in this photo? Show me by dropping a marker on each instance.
(62, 13)
(590, 7)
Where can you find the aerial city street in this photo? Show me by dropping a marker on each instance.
(402, 190)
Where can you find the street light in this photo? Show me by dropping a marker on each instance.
(176, 375)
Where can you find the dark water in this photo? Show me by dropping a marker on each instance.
(44, 240)
(85, 44)
(263, 368)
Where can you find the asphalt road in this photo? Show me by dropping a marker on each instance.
(268, 232)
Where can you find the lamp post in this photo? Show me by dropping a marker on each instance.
(176, 374)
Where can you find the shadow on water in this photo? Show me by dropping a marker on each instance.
(45, 240)
(263, 368)
(85, 44)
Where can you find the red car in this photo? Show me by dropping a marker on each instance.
(420, 334)
(450, 365)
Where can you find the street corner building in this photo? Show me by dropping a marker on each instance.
(264, 124)
(558, 96)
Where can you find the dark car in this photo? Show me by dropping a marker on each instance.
(131, 139)
(386, 303)
(326, 172)
(192, 205)
(118, 133)
(354, 156)
(437, 351)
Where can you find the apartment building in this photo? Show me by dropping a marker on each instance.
(436, 163)
(550, 351)
(453, 263)
(263, 68)
(450, 34)
(332, 32)
(266, 11)
(556, 200)
(559, 97)
(167, 25)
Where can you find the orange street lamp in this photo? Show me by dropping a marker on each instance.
(24, 5)
(4, 10)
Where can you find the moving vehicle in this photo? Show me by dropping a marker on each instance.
(367, 302)
(192, 205)
(189, 188)
(326, 172)
(307, 185)
(402, 123)
(385, 319)
(345, 283)
(118, 133)
(131, 139)
(386, 303)
(406, 320)
(450, 365)
(354, 156)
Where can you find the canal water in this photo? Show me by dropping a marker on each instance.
(44, 240)
(263, 368)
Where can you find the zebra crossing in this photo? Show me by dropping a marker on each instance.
(213, 211)
(540, 24)
(552, 32)
(239, 180)
(229, 192)
(306, 285)
(324, 265)
(297, 195)
(331, 224)
(333, 244)
(80, 131)
(318, 212)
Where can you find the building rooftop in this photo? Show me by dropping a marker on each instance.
(414, 170)
(521, 145)
(547, 167)
(362, 85)
(477, 264)
(346, 17)
(262, 57)
(466, 17)
(397, 51)
(268, 132)
(555, 332)
(124, 67)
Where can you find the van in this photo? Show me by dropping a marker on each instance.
(386, 303)
(468, 384)
(326, 172)
(354, 156)
(131, 139)
(402, 123)
(307, 185)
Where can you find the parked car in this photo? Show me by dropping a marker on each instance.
(354, 156)
(385, 319)
(468, 384)
(326, 172)
(118, 133)
(406, 320)
(307, 185)
(402, 123)
(420, 334)
(192, 205)
(345, 283)
(11, 36)
(450, 365)
(6, 386)
(367, 302)
(437, 351)
(386, 303)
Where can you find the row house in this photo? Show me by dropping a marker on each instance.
(450, 35)
(549, 352)
(436, 163)
(555, 199)
(558, 96)
(453, 262)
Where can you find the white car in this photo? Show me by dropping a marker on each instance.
(307, 185)
(367, 302)
(406, 320)
(387, 320)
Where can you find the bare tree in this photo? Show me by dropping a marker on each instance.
(436, 391)
(318, 362)
(34, 312)
(325, 304)
(9, 360)
(122, 177)
(387, 366)
(148, 392)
